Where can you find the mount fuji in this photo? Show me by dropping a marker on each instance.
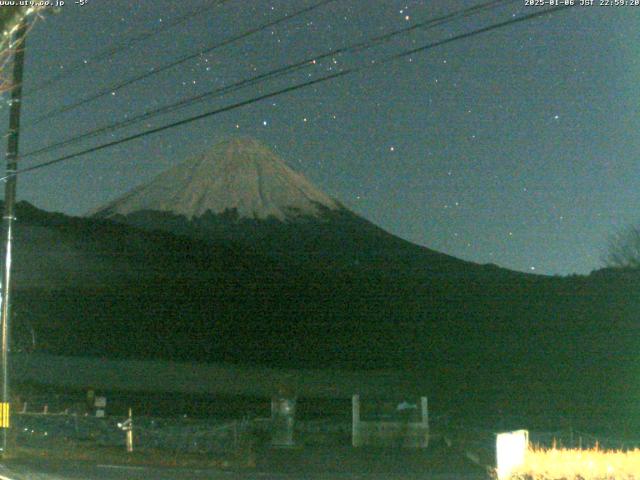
(241, 193)
(240, 176)
(232, 256)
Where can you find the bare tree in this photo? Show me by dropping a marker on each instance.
(624, 249)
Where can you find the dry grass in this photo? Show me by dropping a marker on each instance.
(575, 464)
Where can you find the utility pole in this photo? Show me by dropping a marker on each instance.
(8, 217)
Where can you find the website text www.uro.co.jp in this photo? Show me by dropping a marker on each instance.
(32, 3)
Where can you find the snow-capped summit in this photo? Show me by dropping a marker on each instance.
(241, 194)
(239, 174)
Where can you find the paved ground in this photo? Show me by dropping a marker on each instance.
(271, 464)
(113, 472)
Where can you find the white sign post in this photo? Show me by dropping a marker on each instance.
(511, 448)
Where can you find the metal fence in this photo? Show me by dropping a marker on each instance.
(180, 434)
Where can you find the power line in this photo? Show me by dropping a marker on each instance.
(290, 68)
(114, 88)
(111, 51)
(299, 86)
(292, 88)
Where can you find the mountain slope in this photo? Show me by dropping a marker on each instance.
(242, 192)
(253, 278)
(483, 342)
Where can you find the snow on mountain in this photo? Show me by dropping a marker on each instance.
(239, 174)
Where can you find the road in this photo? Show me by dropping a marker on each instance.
(84, 471)
(279, 464)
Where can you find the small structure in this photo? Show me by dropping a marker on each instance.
(100, 405)
(283, 411)
(96, 405)
(390, 424)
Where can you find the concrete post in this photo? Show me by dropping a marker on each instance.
(355, 421)
(425, 411)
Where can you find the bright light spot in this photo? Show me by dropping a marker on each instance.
(510, 452)
(264, 122)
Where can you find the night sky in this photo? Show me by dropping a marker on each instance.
(517, 147)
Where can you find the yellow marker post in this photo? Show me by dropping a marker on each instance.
(4, 415)
(130, 433)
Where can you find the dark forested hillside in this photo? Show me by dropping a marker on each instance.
(477, 336)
